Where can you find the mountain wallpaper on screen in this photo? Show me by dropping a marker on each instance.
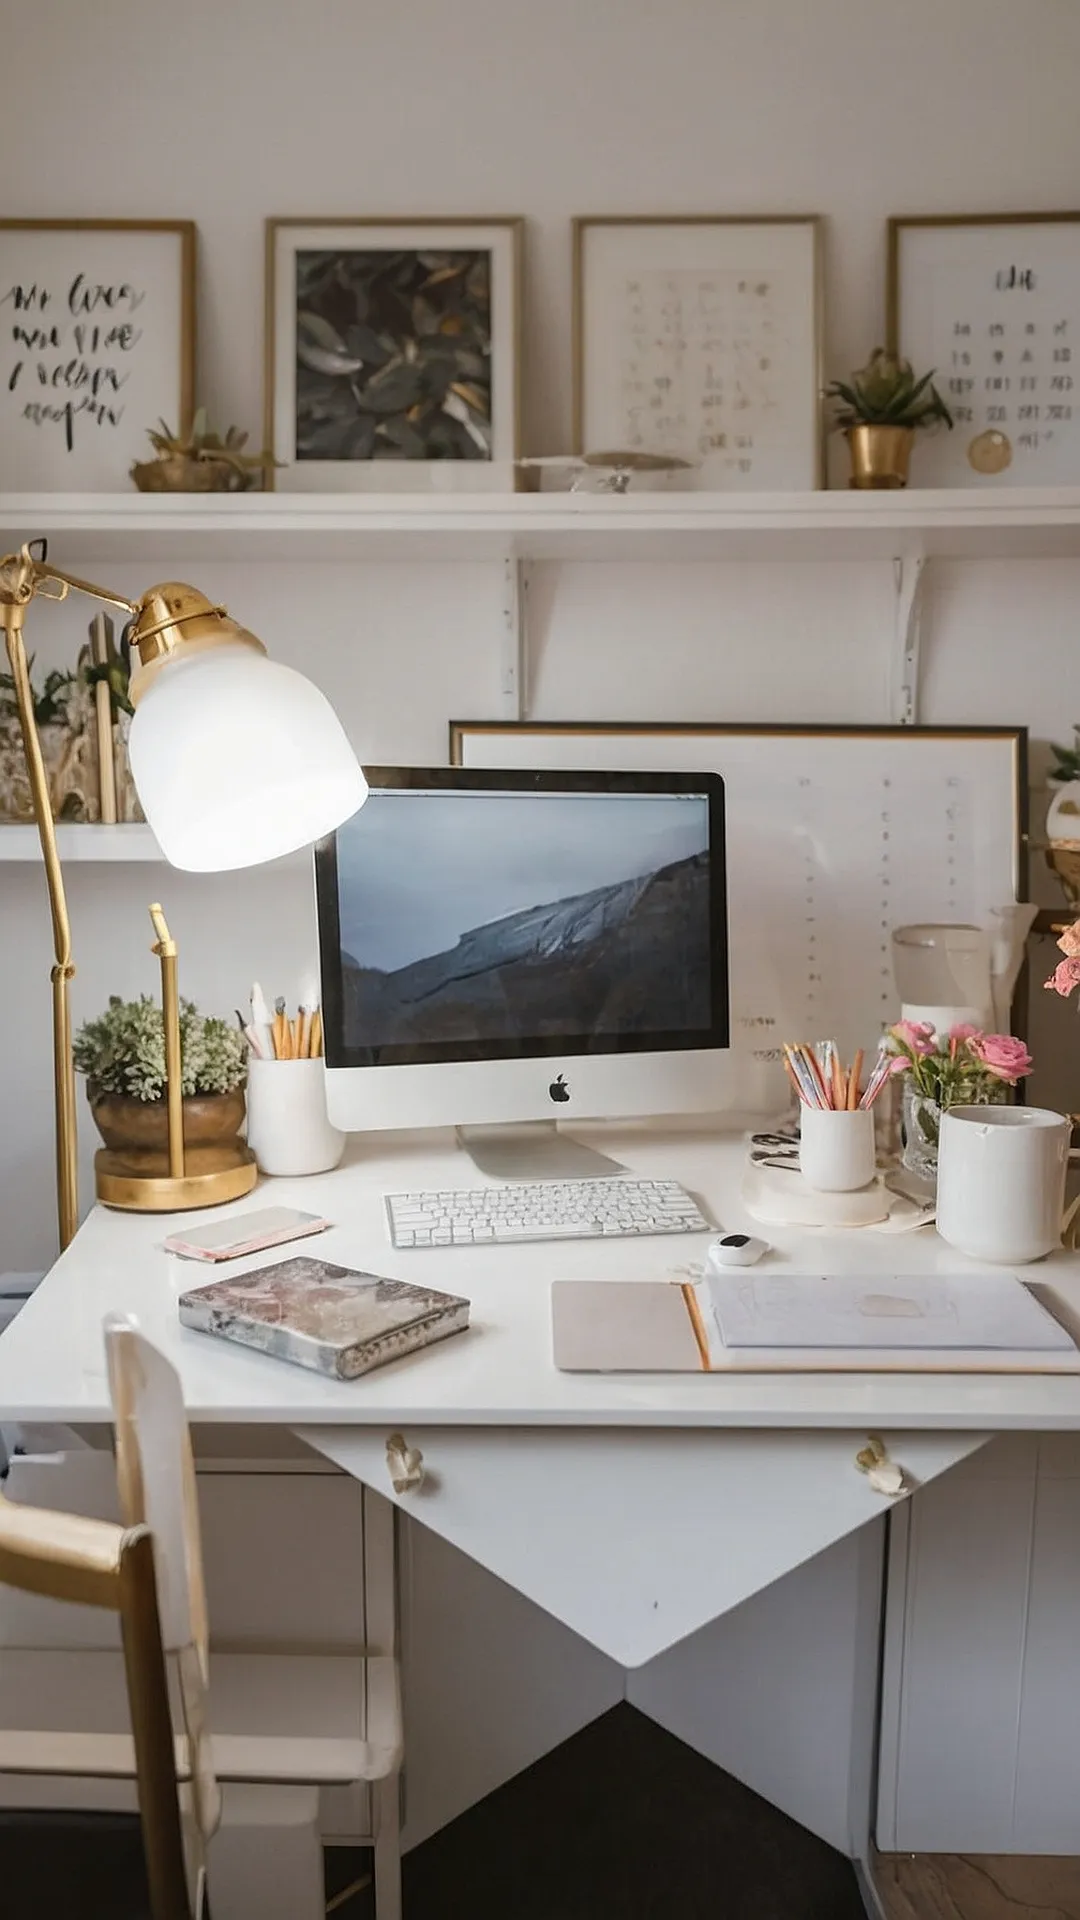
(630, 958)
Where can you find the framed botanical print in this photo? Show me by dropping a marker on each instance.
(97, 344)
(699, 339)
(992, 303)
(393, 353)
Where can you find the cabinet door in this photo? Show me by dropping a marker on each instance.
(635, 1539)
(980, 1737)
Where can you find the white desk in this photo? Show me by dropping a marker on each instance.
(634, 1509)
(499, 1373)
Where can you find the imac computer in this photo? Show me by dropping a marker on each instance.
(500, 949)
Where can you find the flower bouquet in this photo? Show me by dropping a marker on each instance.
(963, 1068)
(1066, 974)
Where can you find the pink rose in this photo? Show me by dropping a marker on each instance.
(964, 1031)
(1065, 977)
(1003, 1056)
(901, 1064)
(915, 1035)
(1070, 941)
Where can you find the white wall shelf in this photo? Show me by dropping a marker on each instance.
(998, 523)
(81, 843)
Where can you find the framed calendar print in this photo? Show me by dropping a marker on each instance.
(992, 303)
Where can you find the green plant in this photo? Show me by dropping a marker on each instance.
(51, 698)
(202, 443)
(123, 1050)
(885, 393)
(1068, 758)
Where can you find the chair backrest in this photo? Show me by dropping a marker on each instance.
(156, 1478)
(93, 1563)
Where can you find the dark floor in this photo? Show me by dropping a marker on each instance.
(622, 1822)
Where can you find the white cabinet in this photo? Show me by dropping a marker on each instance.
(980, 1745)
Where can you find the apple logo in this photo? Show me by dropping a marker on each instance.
(559, 1091)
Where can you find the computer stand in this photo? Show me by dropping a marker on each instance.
(534, 1151)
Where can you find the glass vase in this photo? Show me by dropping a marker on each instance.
(921, 1124)
(921, 1131)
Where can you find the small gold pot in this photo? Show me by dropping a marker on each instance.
(177, 473)
(879, 455)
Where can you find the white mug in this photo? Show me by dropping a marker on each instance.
(836, 1148)
(1001, 1181)
(288, 1130)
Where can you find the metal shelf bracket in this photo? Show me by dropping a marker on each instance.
(908, 576)
(514, 657)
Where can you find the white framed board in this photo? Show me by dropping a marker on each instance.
(835, 835)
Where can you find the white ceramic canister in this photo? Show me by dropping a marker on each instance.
(1001, 1181)
(288, 1130)
(836, 1148)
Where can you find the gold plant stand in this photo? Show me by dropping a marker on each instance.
(198, 1177)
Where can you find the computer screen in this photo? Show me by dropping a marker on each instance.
(469, 915)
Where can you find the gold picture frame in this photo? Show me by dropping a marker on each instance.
(74, 314)
(812, 226)
(503, 237)
(1013, 405)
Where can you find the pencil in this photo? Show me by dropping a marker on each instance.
(853, 1083)
(316, 1039)
(807, 1054)
(303, 1037)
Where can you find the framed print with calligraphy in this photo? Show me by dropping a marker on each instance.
(992, 303)
(97, 344)
(392, 353)
(698, 339)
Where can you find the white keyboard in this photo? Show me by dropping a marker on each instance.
(548, 1210)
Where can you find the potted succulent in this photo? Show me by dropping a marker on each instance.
(1063, 819)
(199, 461)
(881, 408)
(122, 1054)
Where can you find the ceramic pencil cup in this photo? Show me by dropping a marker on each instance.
(836, 1148)
(1001, 1181)
(288, 1130)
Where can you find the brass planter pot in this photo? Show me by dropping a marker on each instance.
(132, 1168)
(177, 473)
(880, 456)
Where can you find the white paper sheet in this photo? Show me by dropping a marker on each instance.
(978, 1312)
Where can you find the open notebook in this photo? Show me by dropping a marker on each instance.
(768, 1321)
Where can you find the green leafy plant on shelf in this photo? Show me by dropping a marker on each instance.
(123, 1051)
(53, 696)
(886, 393)
(1067, 758)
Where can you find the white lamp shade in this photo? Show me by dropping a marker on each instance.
(238, 759)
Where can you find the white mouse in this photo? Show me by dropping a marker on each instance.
(735, 1250)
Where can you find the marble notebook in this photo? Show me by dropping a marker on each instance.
(332, 1319)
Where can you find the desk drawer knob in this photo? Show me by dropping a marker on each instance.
(405, 1464)
(882, 1471)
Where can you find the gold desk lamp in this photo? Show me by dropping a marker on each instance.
(236, 760)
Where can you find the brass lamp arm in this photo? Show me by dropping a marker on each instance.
(22, 577)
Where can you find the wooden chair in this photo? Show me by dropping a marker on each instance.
(94, 1563)
(285, 1721)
